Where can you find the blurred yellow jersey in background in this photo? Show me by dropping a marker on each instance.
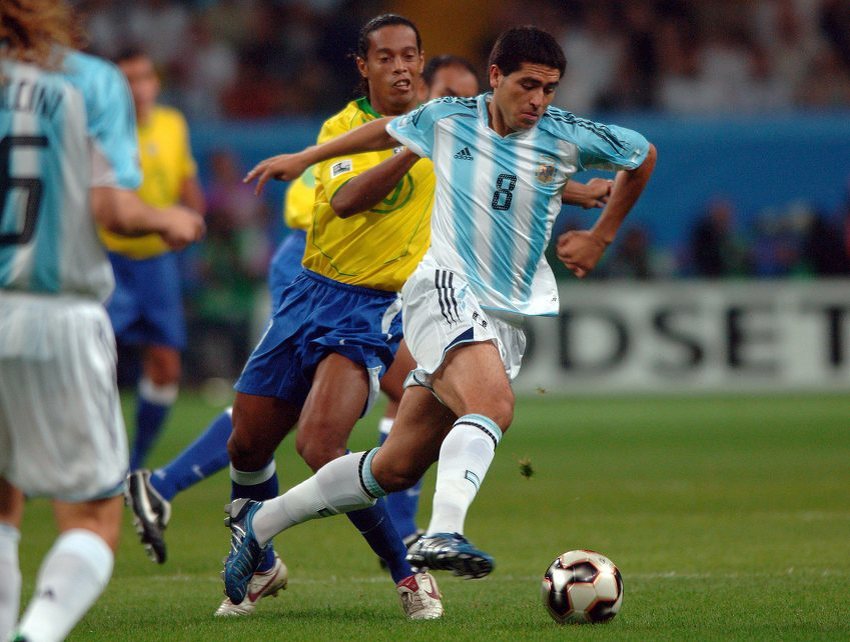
(298, 202)
(378, 248)
(166, 160)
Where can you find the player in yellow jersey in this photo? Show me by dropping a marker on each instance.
(146, 309)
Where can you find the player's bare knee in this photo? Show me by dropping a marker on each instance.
(499, 408)
(320, 439)
(316, 453)
(234, 452)
(246, 453)
(162, 365)
(503, 412)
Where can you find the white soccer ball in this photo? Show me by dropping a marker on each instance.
(582, 586)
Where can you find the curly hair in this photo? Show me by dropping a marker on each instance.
(30, 31)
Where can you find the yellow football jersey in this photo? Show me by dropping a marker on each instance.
(298, 202)
(166, 160)
(378, 248)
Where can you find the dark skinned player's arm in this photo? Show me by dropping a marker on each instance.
(368, 189)
(287, 167)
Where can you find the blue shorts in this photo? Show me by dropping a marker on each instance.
(286, 264)
(146, 307)
(317, 317)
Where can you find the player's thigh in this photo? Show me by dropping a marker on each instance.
(414, 442)
(259, 425)
(472, 380)
(337, 398)
(466, 356)
(101, 516)
(392, 383)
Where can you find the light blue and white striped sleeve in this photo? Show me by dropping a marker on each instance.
(611, 147)
(111, 118)
(416, 129)
(600, 146)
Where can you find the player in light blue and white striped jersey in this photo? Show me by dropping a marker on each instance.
(497, 196)
(52, 124)
(67, 159)
(502, 162)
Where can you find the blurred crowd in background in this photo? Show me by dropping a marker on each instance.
(796, 241)
(252, 60)
(265, 58)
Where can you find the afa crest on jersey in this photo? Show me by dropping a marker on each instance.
(545, 172)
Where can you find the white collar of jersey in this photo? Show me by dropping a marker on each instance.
(484, 119)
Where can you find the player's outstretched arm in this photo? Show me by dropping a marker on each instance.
(580, 250)
(588, 195)
(368, 189)
(370, 137)
(123, 212)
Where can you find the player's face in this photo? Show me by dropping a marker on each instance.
(392, 66)
(521, 98)
(144, 84)
(453, 80)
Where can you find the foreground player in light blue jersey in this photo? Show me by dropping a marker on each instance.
(502, 162)
(67, 160)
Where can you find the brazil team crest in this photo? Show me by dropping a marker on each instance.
(545, 172)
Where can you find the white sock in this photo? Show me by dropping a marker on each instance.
(72, 576)
(335, 488)
(253, 477)
(160, 395)
(465, 456)
(385, 425)
(10, 579)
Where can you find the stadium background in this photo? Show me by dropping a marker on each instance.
(748, 104)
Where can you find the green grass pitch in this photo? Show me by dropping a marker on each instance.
(729, 518)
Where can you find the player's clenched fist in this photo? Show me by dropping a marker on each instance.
(580, 251)
(185, 226)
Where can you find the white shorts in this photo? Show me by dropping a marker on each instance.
(440, 312)
(61, 430)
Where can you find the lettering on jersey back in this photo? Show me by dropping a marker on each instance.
(25, 96)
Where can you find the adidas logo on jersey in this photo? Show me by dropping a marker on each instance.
(464, 154)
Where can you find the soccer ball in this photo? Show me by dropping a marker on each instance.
(582, 586)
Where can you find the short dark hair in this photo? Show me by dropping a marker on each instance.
(445, 60)
(131, 52)
(526, 44)
(379, 22)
